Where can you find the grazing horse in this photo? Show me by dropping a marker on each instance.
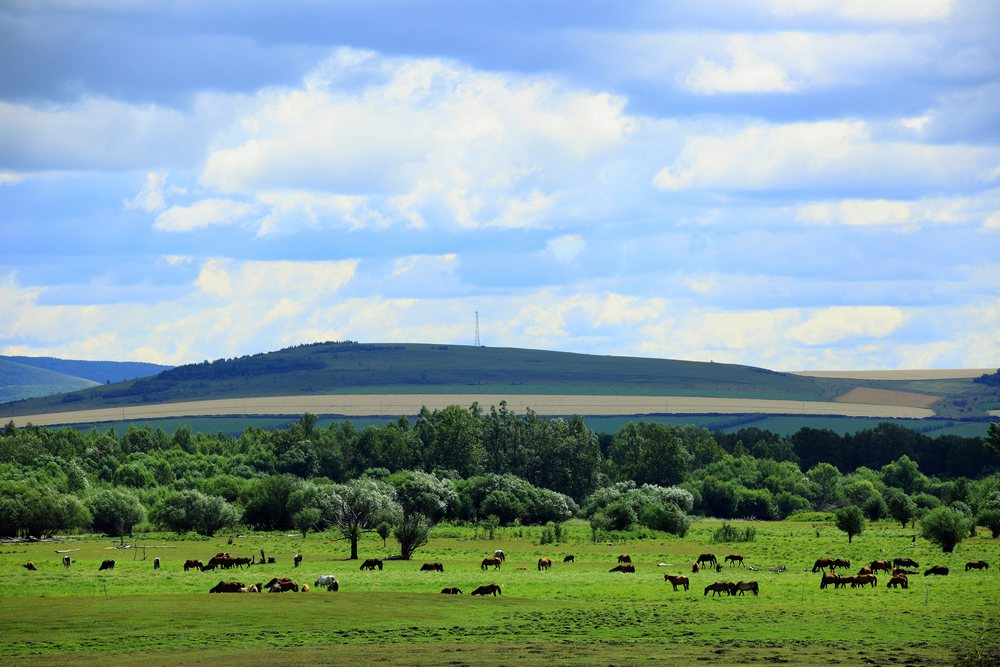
(488, 589)
(491, 560)
(500, 554)
(708, 559)
(625, 567)
(721, 587)
(569, 559)
(694, 568)
(827, 579)
(822, 564)
(228, 587)
(304, 589)
(107, 565)
(899, 570)
(156, 563)
(451, 591)
(544, 563)
(904, 562)
(677, 580)
(940, 570)
(325, 580)
(67, 561)
(977, 565)
(196, 564)
(899, 580)
(863, 580)
(432, 567)
(748, 586)
(840, 562)
(371, 564)
(844, 581)
(624, 558)
(284, 583)
(30, 566)
(254, 588)
(867, 569)
(734, 559)
(296, 560)
(240, 562)
(877, 565)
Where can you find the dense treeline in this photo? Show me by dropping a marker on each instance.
(494, 467)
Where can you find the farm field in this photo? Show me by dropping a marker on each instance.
(574, 614)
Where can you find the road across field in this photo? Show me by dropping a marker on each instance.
(377, 405)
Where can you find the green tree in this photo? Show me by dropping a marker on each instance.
(183, 511)
(903, 473)
(851, 520)
(412, 532)
(647, 452)
(945, 527)
(990, 519)
(115, 511)
(362, 505)
(901, 506)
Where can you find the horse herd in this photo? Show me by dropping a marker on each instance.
(898, 574)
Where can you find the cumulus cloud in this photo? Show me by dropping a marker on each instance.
(746, 72)
(203, 213)
(150, 198)
(883, 11)
(835, 324)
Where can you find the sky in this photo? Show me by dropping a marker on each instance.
(792, 184)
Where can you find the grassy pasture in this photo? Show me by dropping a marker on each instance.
(574, 614)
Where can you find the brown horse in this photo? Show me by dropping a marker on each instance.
(491, 560)
(939, 570)
(544, 563)
(840, 562)
(844, 581)
(899, 570)
(283, 583)
(721, 587)
(30, 566)
(867, 569)
(708, 559)
(677, 580)
(432, 567)
(371, 564)
(229, 587)
(193, 564)
(451, 591)
(734, 559)
(904, 562)
(623, 568)
(899, 580)
(624, 558)
(827, 579)
(822, 564)
(748, 586)
(569, 559)
(694, 568)
(863, 580)
(977, 565)
(877, 565)
(488, 589)
(107, 565)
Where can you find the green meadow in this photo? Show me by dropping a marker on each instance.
(573, 614)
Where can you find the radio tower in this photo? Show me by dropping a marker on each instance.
(478, 344)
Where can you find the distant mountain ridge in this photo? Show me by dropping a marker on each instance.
(28, 377)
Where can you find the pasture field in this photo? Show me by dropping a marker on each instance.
(574, 614)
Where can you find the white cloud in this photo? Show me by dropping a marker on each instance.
(870, 11)
(748, 72)
(203, 213)
(834, 324)
(993, 222)
(150, 197)
(911, 214)
(566, 248)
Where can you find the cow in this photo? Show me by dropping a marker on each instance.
(840, 562)
(107, 565)
(371, 564)
(977, 565)
(720, 587)
(30, 566)
(827, 579)
(626, 567)
(490, 560)
(297, 560)
(67, 561)
(748, 586)
(451, 591)
(488, 589)
(228, 587)
(500, 554)
(904, 562)
(734, 559)
(877, 565)
(544, 563)
(677, 580)
(569, 559)
(939, 570)
(326, 580)
(822, 564)
(708, 559)
(899, 580)
(863, 580)
(624, 558)
(156, 563)
(284, 583)
(432, 567)
(193, 564)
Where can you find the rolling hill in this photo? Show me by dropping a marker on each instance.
(317, 374)
(28, 377)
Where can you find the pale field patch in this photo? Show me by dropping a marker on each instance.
(925, 374)
(869, 396)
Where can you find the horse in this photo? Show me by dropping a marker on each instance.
(863, 580)
(500, 554)
(569, 559)
(228, 587)
(253, 588)
(371, 564)
(748, 586)
(708, 559)
(877, 565)
(899, 570)
(490, 560)
(188, 564)
(827, 579)
(107, 565)
(867, 569)
(544, 563)
(904, 562)
(451, 591)
(844, 581)
(67, 561)
(30, 566)
(432, 567)
(840, 562)
(156, 563)
(822, 564)
(488, 589)
(939, 570)
(284, 583)
(677, 580)
(694, 568)
(898, 581)
(977, 565)
(734, 559)
(240, 562)
(721, 587)
(296, 560)
(625, 567)
(624, 558)
(304, 589)
(333, 586)
(325, 580)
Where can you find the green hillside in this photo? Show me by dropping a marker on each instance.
(20, 381)
(100, 372)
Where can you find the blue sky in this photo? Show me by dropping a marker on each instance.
(795, 184)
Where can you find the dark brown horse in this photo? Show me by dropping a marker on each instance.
(747, 586)
(904, 562)
(626, 567)
(30, 566)
(863, 580)
(844, 581)
(283, 583)
(899, 581)
(624, 558)
(371, 564)
(677, 580)
(107, 565)
(877, 565)
(229, 587)
(939, 570)
(491, 560)
(544, 563)
(867, 569)
(720, 587)
(840, 562)
(432, 567)
(827, 579)
(488, 589)
(451, 591)
(569, 559)
(708, 559)
(822, 564)
(977, 565)
(735, 559)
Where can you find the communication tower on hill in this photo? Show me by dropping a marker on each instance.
(478, 344)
